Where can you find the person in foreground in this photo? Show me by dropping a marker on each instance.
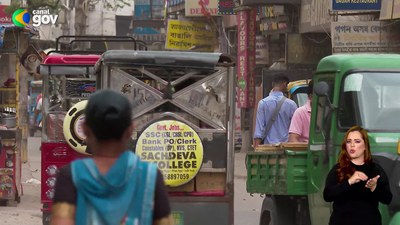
(114, 186)
(356, 184)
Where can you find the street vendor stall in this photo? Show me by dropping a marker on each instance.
(13, 104)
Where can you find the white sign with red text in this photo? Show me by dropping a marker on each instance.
(201, 8)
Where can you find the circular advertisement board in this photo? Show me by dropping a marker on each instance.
(175, 147)
(72, 127)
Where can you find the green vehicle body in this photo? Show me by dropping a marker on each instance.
(353, 89)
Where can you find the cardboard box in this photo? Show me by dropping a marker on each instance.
(210, 181)
(188, 187)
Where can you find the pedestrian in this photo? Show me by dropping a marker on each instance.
(356, 184)
(113, 186)
(37, 115)
(300, 124)
(274, 114)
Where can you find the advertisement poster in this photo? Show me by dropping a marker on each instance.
(175, 147)
(188, 35)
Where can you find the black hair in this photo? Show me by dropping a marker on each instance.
(279, 79)
(108, 114)
(310, 88)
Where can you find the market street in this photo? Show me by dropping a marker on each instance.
(28, 212)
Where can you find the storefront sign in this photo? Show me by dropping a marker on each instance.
(175, 147)
(201, 8)
(272, 26)
(187, 35)
(396, 9)
(314, 16)
(148, 34)
(261, 50)
(263, 2)
(225, 7)
(4, 18)
(341, 5)
(142, 10)
(386, 10)
(364, 36)
(246, 20)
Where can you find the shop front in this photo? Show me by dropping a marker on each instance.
(13, 114)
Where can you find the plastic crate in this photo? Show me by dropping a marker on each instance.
(281, 172)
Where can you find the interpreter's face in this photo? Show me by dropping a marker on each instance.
(355, 145)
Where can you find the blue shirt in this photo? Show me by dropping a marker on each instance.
(279, 131)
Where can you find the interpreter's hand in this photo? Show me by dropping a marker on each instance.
(371, 183)
(357, 177)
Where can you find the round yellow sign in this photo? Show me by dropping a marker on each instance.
(175, 147)
(72, 127)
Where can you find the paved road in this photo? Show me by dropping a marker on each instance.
(28, 211)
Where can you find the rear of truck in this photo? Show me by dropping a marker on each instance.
(358, 89)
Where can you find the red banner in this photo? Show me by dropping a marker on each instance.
(4, 18)
(246, 21)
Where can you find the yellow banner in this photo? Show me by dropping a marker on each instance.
(187, 35)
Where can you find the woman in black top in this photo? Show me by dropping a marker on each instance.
(356, 184)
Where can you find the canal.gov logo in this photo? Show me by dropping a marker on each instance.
(21, 17)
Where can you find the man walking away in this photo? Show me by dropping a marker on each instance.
(274, 114)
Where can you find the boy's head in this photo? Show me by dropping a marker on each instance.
(108, 114)
(280, 81)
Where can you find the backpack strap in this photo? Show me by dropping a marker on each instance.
(273, 117)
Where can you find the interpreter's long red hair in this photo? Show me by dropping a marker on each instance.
(345, 169)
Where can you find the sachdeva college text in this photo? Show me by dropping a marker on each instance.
(175, 147)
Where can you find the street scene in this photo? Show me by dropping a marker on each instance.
(27, 212)
(193, 112)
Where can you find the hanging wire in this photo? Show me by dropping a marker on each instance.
(226, 37)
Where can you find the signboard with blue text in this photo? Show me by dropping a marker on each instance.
(356, 5)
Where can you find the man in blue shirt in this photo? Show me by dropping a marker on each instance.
(279, 131)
